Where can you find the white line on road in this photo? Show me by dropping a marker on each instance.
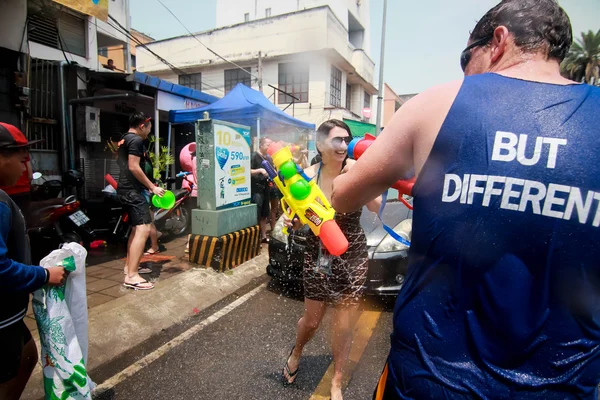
(165, 348)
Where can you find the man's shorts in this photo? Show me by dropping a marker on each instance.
(13, 339)
(137, 207)
(261, 199)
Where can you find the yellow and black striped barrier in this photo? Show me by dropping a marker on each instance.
(225, 252)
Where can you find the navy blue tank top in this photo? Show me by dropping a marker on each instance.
(502, 297)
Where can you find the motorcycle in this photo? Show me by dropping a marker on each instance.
(108, 217)
(175, 221)
(54, 221)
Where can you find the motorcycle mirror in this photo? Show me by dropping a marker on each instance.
(37, 175)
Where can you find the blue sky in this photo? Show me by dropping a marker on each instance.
(423, 38)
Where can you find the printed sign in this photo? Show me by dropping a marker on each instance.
(232, 165)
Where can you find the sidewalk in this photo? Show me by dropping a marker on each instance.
(120, 318)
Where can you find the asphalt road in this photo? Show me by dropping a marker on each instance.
(241, 354)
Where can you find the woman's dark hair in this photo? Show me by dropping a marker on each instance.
(327, 126)
(323, 133)
(537, 25)
(138, 118)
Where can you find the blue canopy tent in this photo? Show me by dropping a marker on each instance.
(250, 107)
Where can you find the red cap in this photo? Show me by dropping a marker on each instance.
(11, 137)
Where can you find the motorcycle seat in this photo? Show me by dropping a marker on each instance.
(181, 193)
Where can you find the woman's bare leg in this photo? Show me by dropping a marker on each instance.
(314, 311)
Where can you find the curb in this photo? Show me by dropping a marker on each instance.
(123, 323)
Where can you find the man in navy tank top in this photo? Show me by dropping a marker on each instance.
(502, 297)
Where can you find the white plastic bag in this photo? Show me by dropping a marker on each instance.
(61, 315)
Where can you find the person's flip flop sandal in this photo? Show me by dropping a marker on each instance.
(136, 285)
(291, 375)
(148, 253)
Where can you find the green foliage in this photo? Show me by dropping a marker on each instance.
(164, 157)
(582, 64)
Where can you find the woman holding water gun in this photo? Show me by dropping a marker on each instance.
(330, 280)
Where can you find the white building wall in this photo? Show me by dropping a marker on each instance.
(231, 12)
(275, 37)
(317, 36)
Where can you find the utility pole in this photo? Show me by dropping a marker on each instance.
(381, 59)
(260, 83)
(127, 63)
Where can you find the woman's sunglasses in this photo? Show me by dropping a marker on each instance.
(465, 56)
(338, 140)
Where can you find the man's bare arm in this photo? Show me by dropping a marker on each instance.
(399, 152)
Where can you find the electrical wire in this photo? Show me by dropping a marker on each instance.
(207, 48)
(161, 59)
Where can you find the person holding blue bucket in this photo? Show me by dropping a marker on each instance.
(132, 160)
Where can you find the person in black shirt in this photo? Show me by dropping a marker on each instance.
(132, 160)
(260, 185)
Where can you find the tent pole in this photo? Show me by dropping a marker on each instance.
(168, 167)
(156, 132)
(257, 133)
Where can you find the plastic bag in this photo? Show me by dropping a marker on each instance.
(62, 319)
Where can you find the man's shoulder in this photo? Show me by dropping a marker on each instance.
(424, 107)
(131, 138)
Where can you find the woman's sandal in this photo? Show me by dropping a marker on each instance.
(151, 252)
(136, 285)
(290, 375)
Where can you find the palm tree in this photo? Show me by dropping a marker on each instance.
(582, 64)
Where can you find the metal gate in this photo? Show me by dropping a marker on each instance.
(45, 113)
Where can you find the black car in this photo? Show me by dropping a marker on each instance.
(387, 257)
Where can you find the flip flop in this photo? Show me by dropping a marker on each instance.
(286, 368)
(148, 253)
(136, 285)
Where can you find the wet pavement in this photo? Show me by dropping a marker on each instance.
(240, 354)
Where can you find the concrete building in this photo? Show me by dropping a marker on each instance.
(119, 53)
(47, 49)
(391, 103)
(311, 58)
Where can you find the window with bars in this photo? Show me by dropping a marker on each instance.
(57, 29)
(193, 81)
(293, 79)
(367, 100)
(235, 76)
(335, 97)
(348, 97)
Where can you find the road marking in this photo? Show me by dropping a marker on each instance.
(361, 334)
(165, 348)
